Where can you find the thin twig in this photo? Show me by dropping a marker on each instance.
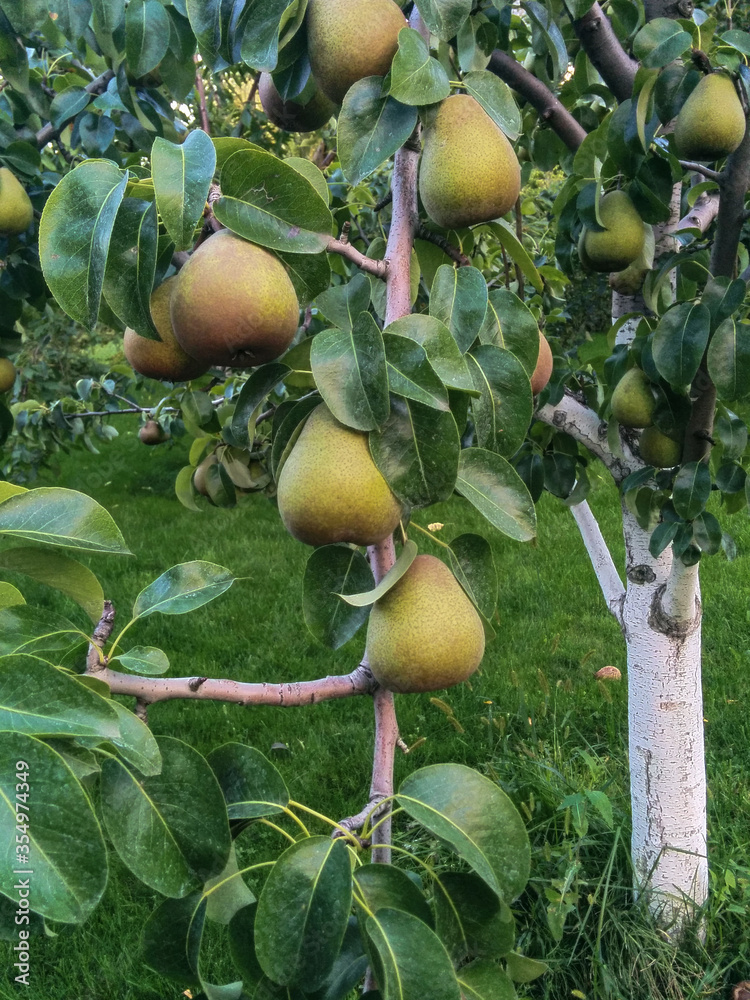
(200, 89)
(423, 233)
(344, 248)
(699, 168)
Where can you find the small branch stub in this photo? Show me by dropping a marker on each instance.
(342, 246)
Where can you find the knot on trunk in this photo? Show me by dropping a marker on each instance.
(642, 573)
(673, 628)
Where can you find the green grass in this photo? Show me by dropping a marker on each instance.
(535, 717)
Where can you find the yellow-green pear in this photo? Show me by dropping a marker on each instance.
(658, 449)
(711, 123)
(425, 633)
(330, 490)
(620, 242)
(469, 172)
(350, 39)
(152, 433)
(233, 304)
(161, 359)
(291, 115)
(16, 210)
(633, 401)
(7, 374)
(200, 481)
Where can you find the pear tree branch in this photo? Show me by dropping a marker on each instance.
(607, 55)
(342, 246)
(700, 168)
(703, 212)
(610, 583)
(50, 132)
(459, 258)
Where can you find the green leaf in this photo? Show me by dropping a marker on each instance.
(496, 98)
(349, 368)
(738, 39)
(69, 858)
(74, 235)
(333, 570)
(383, 886)
(546, 34)
(370, 128)
(410, 373)
(183, 588)
(228, 145)
(108, 14)
(476, 818)
(252, 394)
(417, 451)
(406, 557)
(439, 345)
(707, 533)
(474, 567)
(146, 660)
(444, 17)
(484, 980)
(342, 304)
(310, 274)
(348, 969)
(517, 252)
(260, 21)
(205, 19)
(502, 413)
(170, 829)
(14, 63)
(265, 200)
(494, 487)
(471, 920)
(172, 938)
(56, 570)
(146, 35)
(679, 342)
(509, 323)
(251, 785)
(660, 41)
(226, 894)
(691, 490)
(10, 596)
(416, 77)
(729, 359)
(73, 16)
(136, 742)
(38, 699)
(131, 265)
(524, 970)
(303, 912)
(67, 104)
(51, 515)
(312, 173)
(25, 629)
(723, 297)
(459, 300)
(410, 960)
(182, 174)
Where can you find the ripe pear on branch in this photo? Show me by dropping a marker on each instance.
(294, 116)
(620, 242)
(544, 363)
(424, 634)
(161, 359)
(658, 449)
(711, 123)
(16, 210)
(330, 490)
(633, 401)
(7, 374)
(152, 433)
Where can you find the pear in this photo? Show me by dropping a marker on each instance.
(633, 401)
(162, 359)
(424, 633)
(152, 433)
(201, 472)
(469, 172)
(711, 123)
(658, 449)
(620, 242)
(350, 39)
(16, 210)
(233, 304)
(543, 370)
(290, 115)
(330, 490)
(7, 374)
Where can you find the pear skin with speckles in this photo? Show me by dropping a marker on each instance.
(161, 359)
(620, 242)
(633, 401)
(424, 634)
(711, 123)
(469, 172)
(350, 39)
(16, 210)
(330, 490)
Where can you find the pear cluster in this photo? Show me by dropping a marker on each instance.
(634, 405)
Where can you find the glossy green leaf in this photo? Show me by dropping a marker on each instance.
(69, 870)
(332, 570)
(227, 893)
(349, 368)
(291, 420)
(73, 16)
(416, 77)
(410, 961)
(251, 785)
(227, 145)
(410, 373)
(509, 323)
(417, 451)
(26, 629)
(56, 570)
(691, 490)
(732, 433)
(74, 235)
(494, 487)
(444, 17)
(267, 201)
(723, 297)
(342, 304)
(406, 557)
(183, 588)
(146, 660)
(738, 39)
(370, 128)
(348, 969)
(14, 62)
(729, 359)
(496, 98)
(205, 18)
(478, 820)
(459, 300)
(312, 173)
(170, 829)
(707, 533)
(303, 912)
(547, 35)
(439, 345)
(172, 938)
(660, 41)
(471, 921)
(484, 980)
(522, 969)
(679, 342)
(108, 14)
(502, 413)
(182, 174)
(131, 264)
(67, 104)
(310, 274)
(517, 252)
(383, 886)
(51, 515)
(262, 381)
(474, 566)
(136, 743)
(260, 33)
(38, 699)
(146, 35)
(10, 596)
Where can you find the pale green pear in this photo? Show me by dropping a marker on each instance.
(16, 210)
(633, 401)
(658, 449)
(620, 242)
(711, 123)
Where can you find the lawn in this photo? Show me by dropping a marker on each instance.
(535, 718)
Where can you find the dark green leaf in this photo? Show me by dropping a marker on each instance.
(56, 570)
(348, 969)
(502, 413)
(496, 98)
(26, 629)
(183, 588)
(205, 20)
(729, 359)
(67, 104)
(146, 35)
(131, 265)
(522, 969)
(732, 433)
(517, 252)
(439, 345)
(470, 919)
(707, 533)
(484, 980)
(73, 16)
(182, 174)
(51, 515)
(172, 938)
(679, 342)
(416, 77)
(662, 536)
(509, 323)
(494, 487)
(251, 785)
(660, 41)
(380, 886)
(371, 128)
(723, 297)
(342, 304)
(364, 599)
(259, 24)
(136, 742)
(310, 274)
(410, 373)
(444, 17)
(474, 567)
(14, 63)
(252, 394)
(332, 570)
(692, 488)
(410, 960)
(459, 300)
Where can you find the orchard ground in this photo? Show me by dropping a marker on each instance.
(534, 717)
